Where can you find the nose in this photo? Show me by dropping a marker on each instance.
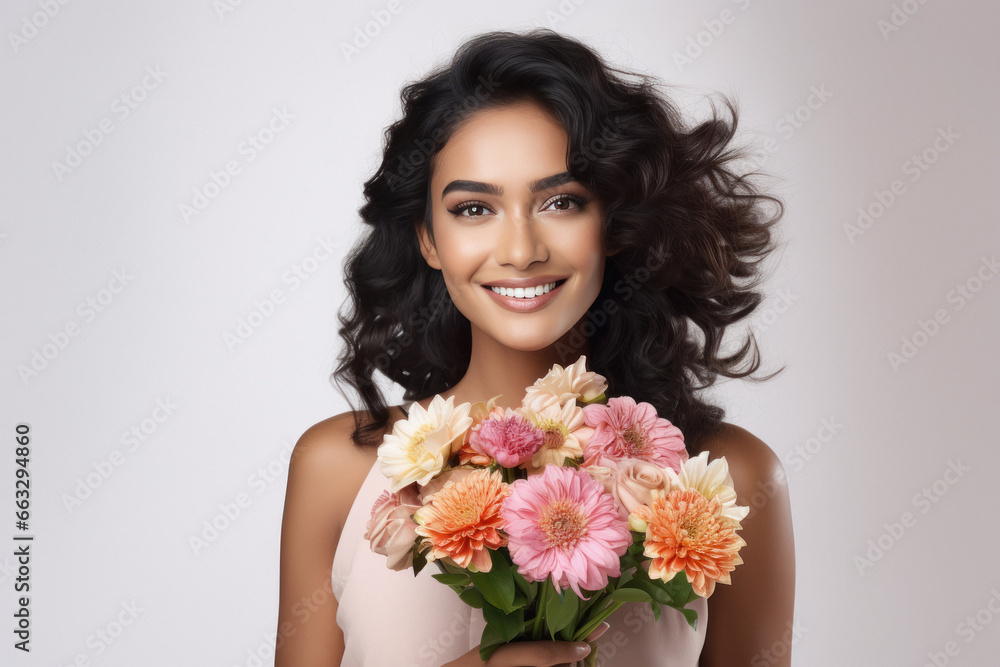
(519, 243)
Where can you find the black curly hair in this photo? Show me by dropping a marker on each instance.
(689, 234)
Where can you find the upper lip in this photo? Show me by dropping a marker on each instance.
(525, 282)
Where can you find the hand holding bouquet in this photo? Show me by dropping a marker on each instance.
(550, 516)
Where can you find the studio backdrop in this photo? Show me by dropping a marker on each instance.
(179, 191)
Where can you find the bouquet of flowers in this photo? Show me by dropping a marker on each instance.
(550, 516)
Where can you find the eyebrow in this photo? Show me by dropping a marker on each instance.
(497, 191)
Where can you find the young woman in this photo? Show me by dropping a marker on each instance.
(528, 162)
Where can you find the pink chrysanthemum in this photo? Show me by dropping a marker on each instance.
(563, 523)
(624, 429)
(507, 437)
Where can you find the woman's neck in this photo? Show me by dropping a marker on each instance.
(497, 369)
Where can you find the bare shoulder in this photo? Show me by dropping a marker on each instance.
(325, 474)
(328, 467)
(741, 627)
(327, 444)
(752, 463)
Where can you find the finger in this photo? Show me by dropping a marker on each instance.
(538, 654)
(598, 631)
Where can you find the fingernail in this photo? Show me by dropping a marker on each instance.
(582, 650)
(599, 631)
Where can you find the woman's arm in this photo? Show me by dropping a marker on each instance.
(307, 634)
(750, 620)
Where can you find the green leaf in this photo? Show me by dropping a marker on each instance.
(679, 589)
(453, 579)
(418, 562)
(528, 589)
(560, 610)
(472, 597)
(497, 585)
(655, 592)
(450, 567)
(656, 610)
(508, 626)
(489, 642)
(586, 605)
(631, 595)
(569, 462)
(692, 617)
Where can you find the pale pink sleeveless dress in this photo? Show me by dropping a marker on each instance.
(393, 619)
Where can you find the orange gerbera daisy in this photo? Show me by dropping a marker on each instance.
(684, 532)
(461, 520)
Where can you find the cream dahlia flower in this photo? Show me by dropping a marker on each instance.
(711, 480)
(562, 385)
(565, 433)
(419, 446)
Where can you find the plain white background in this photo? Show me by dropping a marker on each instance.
(894, 553)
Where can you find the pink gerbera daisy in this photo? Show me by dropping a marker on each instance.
(563, 523)
(624, 429)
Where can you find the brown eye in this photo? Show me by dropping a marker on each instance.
(468, 206)
(567, 200)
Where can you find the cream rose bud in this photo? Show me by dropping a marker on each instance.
(606, 475)
(638, 482)
(637, 524)
(391, 530)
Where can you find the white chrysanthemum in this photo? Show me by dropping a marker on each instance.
(419, 446)
(562, 385)
(711, 480)
(566, 433)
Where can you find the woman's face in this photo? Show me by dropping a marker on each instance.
(505, 209)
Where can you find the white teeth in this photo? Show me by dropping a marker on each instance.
(524, 292)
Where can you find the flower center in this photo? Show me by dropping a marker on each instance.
(634, 442)
(563, 524)
(416, 449)
(694, 517)
(693, 525)
(554, 433)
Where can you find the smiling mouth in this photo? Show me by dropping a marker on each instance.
(525, 293)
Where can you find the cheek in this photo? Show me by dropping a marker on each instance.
(589, 257)
(462, 254)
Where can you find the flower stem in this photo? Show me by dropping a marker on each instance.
(582, 633)
(536, 632)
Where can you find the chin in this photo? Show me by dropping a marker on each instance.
(532, 344)
(559, 335)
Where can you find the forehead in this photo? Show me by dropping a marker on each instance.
(512, 144)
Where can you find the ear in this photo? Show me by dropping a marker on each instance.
(608, 253)
(427, 248)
